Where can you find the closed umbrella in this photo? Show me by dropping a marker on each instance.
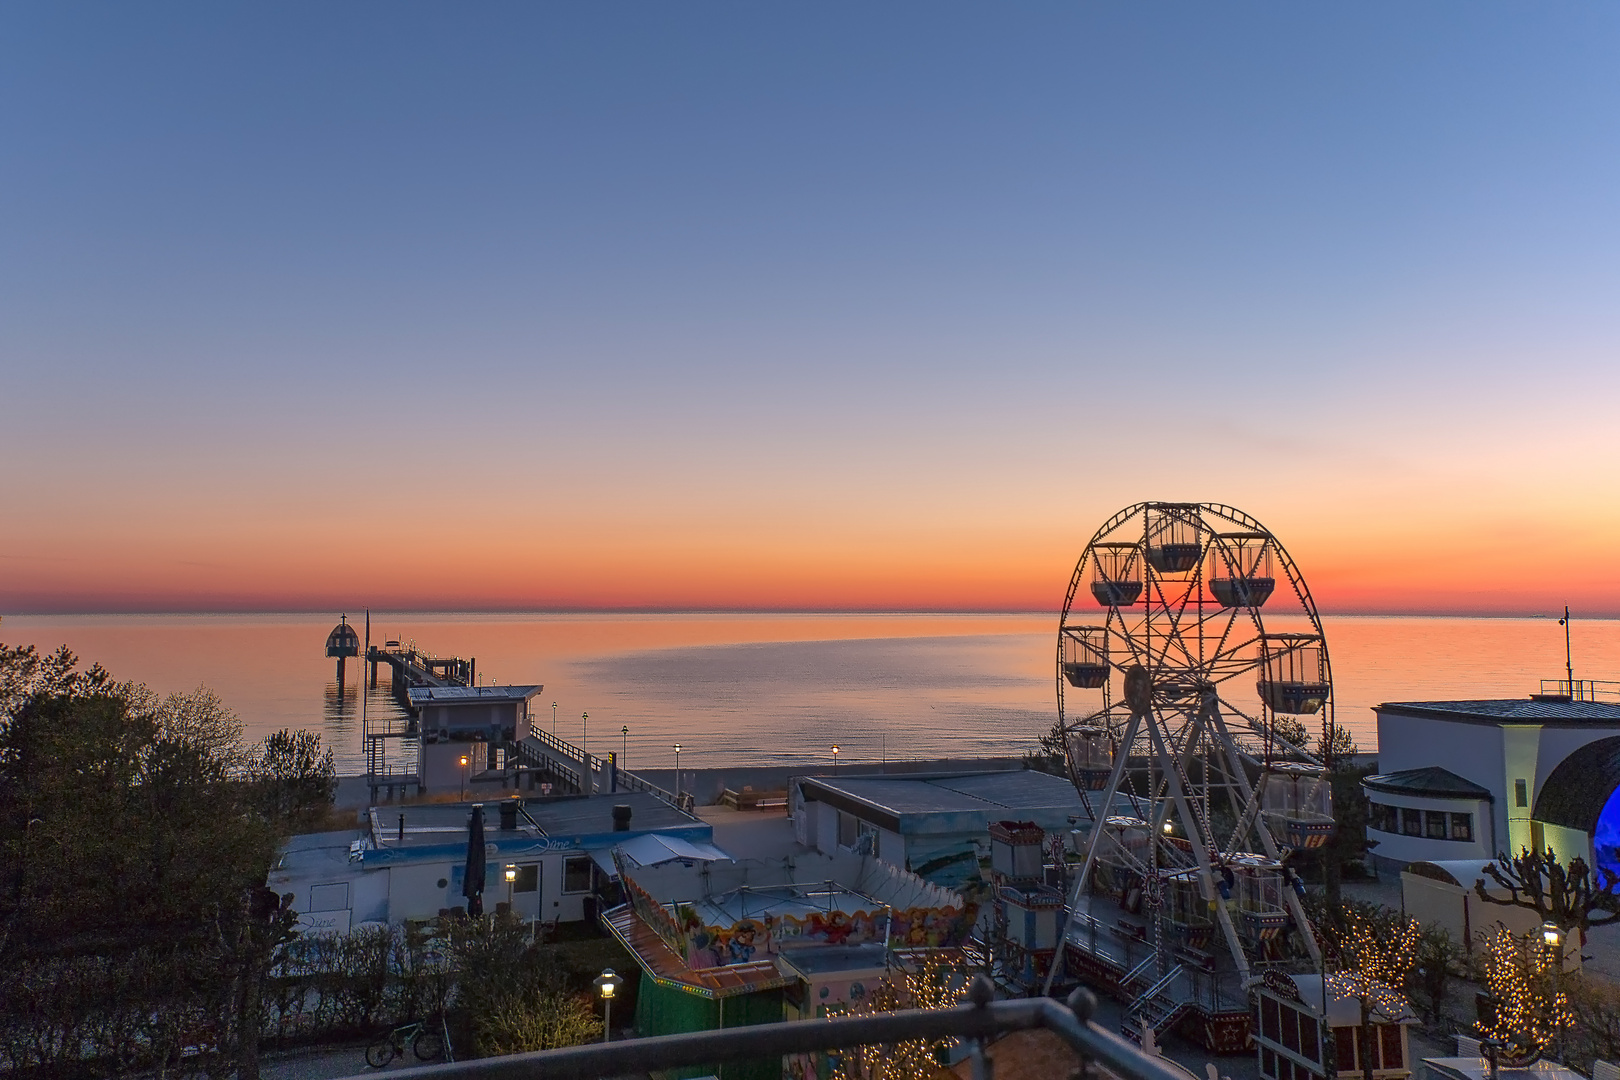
(472, 885)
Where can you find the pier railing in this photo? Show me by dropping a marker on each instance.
(594, 765)
(975, 1023)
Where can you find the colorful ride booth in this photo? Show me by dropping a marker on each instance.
(758, 941)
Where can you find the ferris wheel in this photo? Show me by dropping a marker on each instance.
(1190, 657)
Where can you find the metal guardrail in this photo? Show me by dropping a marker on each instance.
(979, 1020)
(1583, 689)
(626, 779)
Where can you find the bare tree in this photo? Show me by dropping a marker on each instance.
(1562, 895)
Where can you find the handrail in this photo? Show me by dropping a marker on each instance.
(1137, 971)
(978, 1020)
(1158, 988)
(1583, 689)
(626, 778)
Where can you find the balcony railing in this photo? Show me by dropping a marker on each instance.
(975, 1023)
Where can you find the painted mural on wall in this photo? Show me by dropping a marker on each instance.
(757, 939)
(705, 946)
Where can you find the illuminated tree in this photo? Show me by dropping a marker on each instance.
(936, 985)
(1562, 895)
(1375, 957)
(1530, 1010)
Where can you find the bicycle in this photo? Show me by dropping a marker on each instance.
(425, 1042)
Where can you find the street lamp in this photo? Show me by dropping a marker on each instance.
(606, 984)
(584, 754)
(511, 877)
(1552, 936)
(463, 777)
(835, 759)
(624, 741)
(554, 718)
(677, 772)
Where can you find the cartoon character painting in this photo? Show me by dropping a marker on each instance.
(741, 947)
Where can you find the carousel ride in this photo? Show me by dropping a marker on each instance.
(1188, 653)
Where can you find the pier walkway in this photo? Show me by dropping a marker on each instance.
(574, 771)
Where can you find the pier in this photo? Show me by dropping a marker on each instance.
(412, 667)
(394, 745)
(397, 748)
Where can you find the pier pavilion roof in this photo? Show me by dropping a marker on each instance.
(471, 695)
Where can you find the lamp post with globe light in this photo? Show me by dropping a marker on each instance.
(607, 984)
(677, 772)
(511, 878)
(464, 777)
(835, 759)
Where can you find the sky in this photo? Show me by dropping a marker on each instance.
(831, 306)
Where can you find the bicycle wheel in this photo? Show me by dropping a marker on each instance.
(428, 1045)
(380, 1053)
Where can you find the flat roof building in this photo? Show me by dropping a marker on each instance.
(408, 862)
(937, 826)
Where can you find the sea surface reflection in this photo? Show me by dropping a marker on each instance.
(750, 688)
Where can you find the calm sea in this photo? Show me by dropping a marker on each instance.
(766, 689)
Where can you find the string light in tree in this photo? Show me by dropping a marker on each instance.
(1530, 1010)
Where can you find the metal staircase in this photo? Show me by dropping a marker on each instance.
(1157, 1008)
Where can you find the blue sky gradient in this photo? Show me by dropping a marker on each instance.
(750, 289)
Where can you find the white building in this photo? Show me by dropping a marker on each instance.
(409, 862)
(1466, 780)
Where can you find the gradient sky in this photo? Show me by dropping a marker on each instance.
(813, 306)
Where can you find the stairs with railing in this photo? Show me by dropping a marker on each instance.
(1158, 1008)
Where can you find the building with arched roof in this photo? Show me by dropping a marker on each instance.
(1466, 780)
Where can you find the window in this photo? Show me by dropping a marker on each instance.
(1462, 826)
(1412, 822)
(1521, 793)
(865, 831)
(1290, 1028)
(1389, 1037)
(1435, 820)
(528, 878)
(1268, 1062)
(1268, 1018)
(1307, 1038)
(577, 874)
(846, 829)
(1344, 1048)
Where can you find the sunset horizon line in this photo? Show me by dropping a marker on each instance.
(1348, 612)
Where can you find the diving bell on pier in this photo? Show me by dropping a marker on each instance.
(343, 642)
